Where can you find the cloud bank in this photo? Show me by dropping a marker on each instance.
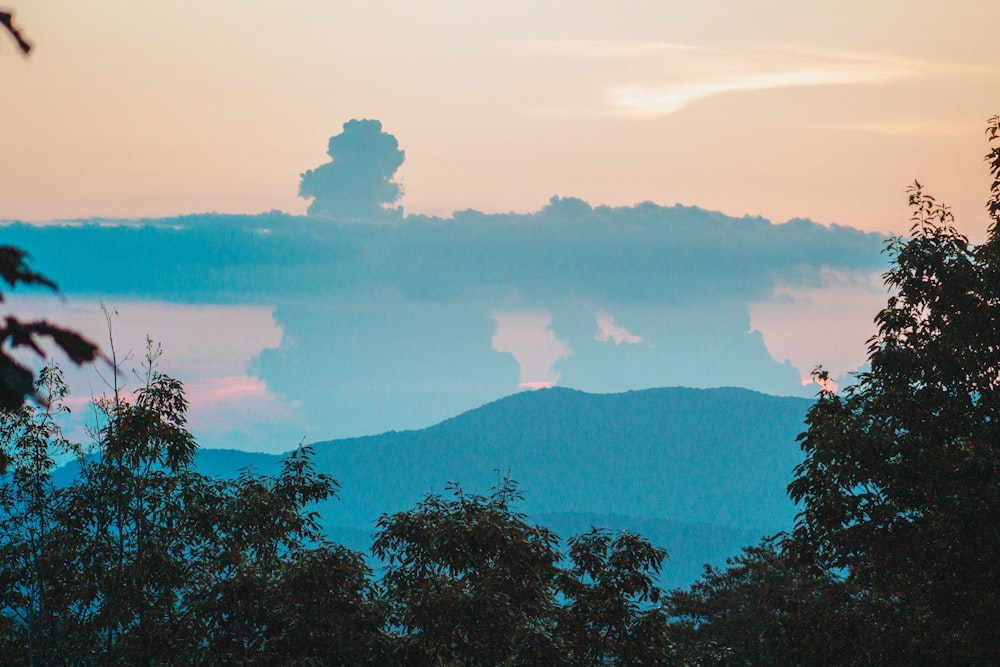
(635, 254)
(398, 323)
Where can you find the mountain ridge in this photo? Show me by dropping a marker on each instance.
(672, 452)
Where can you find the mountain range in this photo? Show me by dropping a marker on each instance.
(701, 472)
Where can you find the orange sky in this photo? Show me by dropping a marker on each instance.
(824, 109)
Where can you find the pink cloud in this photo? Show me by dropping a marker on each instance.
(535, 385)
(227, 389)
(218, 403)
(826, 325)
(607, 330)
(535, 347)
(208, 347)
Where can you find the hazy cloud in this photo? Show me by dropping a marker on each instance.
(607, 330)
(664, 98)
(357, 182)
(637, 254)
(535, 347)
(824, 324)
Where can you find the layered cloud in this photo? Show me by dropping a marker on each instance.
(569, 249)
(330, 327)
(535, 347)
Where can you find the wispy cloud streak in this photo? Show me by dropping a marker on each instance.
(725, 72)
(664, 99)
(649, 79)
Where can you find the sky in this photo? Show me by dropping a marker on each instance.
(604, 195)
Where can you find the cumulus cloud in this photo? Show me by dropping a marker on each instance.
(825, 323)
(357, 182)
(607, 330)
(527, 337)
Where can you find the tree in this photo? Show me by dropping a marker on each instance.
(763, 608)
(900, 487)
(469, 582)
(30, 536)
(142, 560)
(612, 614)
(263, 586)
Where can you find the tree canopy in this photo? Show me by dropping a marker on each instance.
(900, 488)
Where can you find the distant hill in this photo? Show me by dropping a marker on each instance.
(700, 472)
(713, 456)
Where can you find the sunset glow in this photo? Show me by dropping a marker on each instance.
(598, 195)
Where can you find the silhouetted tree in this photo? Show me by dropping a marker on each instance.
(611, 614)
(16, 379)
(32, 541)
(142, 560)
(7, 21)
(900, 487)
(763, 608)
(469, 582)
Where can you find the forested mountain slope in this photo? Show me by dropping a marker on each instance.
(716, 456)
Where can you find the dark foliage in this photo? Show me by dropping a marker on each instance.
(7, 21)
(143, 561)
(612, 614)
(468, 582)
(901, 483)
(16, 380)
(765, 609)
